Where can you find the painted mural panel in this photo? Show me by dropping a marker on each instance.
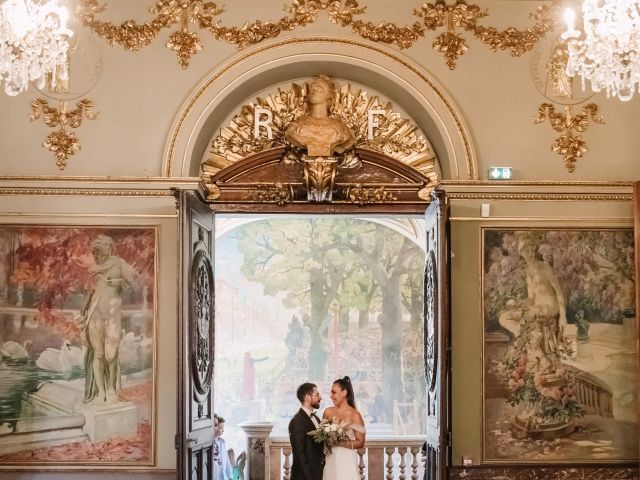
(560, 355)
(304, 298)
(77, 342)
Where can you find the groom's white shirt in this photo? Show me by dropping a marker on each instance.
(313, 419)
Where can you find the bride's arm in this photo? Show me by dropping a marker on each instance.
(360, 436)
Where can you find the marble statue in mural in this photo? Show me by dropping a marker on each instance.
(546, 308)
(317, 132)
(102, 317)
(534, 362)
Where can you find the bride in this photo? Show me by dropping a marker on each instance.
(342, 462)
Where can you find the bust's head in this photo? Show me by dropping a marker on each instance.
(321, 91)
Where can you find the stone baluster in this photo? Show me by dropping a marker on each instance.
(403, 465)
(375, 463)
(361, 452)
(376, 460)
(287, 463)
(258, 449)
(275, 462)
(390, 451)
(414, 462)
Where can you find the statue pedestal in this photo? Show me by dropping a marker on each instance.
(545, 431)
(104, 422)
(258, 445)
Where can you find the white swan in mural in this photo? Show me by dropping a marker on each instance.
(14, 351)
(61, 360)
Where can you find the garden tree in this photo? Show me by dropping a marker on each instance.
(55, 264)
(390, 257)
(413, 294)
(360, 291)
(343, 263)
(595, 270)
(307, 260)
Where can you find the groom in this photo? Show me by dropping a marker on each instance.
(308, 458)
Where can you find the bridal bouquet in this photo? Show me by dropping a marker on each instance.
(330, 432)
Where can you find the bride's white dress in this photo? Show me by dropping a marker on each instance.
(342, 463)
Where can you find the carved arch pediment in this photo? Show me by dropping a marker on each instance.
(264, 181)
(290, 158)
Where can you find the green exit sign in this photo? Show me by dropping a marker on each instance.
(500, 173)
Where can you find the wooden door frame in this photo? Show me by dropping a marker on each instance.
(262, 183)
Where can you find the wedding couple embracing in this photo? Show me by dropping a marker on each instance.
(326, 449)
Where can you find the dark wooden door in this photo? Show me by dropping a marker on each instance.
(194, 440)
(437, 338)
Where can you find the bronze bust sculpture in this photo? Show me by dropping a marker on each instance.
(317, 132)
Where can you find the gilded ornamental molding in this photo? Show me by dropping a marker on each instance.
(450, 19)
(569, 144)
(467, 155)
(596, 197)
(315, 143)
(62, 142)
(93, 192)
(393, 135)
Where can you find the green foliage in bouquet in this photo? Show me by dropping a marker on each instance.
(330, 432)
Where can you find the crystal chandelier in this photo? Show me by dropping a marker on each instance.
(34, 41)
(608, 51)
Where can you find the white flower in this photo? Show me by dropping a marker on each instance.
(334, 428)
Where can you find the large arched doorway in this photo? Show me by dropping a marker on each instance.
(388, 168)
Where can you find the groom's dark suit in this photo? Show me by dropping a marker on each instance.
(308, 457)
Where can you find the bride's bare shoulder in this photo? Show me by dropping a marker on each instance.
(356, 417)
(329, 412)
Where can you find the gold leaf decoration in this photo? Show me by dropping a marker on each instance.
(366, 195)
(277, 193)
(569, 145)
(394, 136)
(301, 13)
(62, 142)
(515, 40)
(451, 45)
(133, 36)
(184, 44)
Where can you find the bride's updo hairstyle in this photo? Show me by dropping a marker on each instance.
(345, 384)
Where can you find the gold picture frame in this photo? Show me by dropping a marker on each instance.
(52, 281)
(572, 418)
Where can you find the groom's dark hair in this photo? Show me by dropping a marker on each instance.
(304, 390)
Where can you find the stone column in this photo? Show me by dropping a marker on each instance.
(258, 445)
